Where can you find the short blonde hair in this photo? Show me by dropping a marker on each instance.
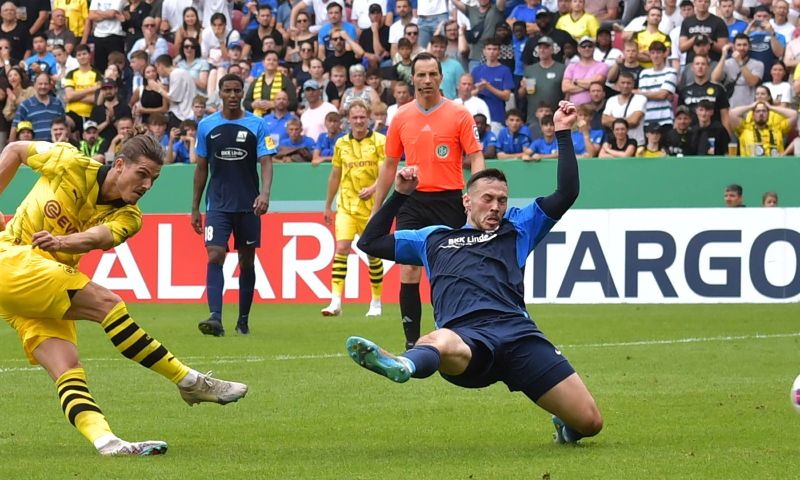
(358, 102)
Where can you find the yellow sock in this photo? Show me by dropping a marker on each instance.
(134, 343)
(79, 406)
(339, 271)
(376, 277)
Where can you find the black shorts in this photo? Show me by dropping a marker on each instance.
(510, 349)
(424, 209)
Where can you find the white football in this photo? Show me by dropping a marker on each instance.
(796, 394)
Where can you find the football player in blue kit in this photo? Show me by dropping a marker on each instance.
(230, 144)
(484, 333)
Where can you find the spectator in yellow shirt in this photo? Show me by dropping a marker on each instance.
(578, 23)
(761, 132)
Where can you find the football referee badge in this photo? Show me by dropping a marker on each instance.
(475, 132)
(442, 150)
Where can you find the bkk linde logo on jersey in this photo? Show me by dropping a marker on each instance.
(231, 154)
(468, 240)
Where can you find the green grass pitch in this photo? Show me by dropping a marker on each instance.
(686, 392)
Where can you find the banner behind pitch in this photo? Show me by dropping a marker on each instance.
(592, 256)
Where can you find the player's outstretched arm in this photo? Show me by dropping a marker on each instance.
(377, 240)
(568, 182)
(14, 155)
(98, 237)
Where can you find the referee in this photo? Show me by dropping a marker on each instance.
(434, 134)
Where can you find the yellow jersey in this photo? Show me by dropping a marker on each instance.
(65, 200)
(359, 161)
(76, 11)
(644, 152)
(586, 24)
(80, 80)
(644, 38)
(770, 138)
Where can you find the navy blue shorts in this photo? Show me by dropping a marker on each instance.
(511, 349)
(245, 226)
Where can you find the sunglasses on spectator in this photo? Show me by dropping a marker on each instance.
(189, 45)
(148, 25)
(412, 32)
(337, 39)
(306, 50)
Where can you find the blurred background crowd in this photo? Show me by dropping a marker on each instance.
(650, 77)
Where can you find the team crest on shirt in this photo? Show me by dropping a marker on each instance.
(442, 150)
(710, 91)
(241, 136)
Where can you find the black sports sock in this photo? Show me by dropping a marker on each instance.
(411, 312)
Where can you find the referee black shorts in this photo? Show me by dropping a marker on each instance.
(424, 209)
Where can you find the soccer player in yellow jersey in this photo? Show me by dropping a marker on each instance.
(76, 206)
(356, 158)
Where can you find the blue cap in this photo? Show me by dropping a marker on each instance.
(311, 84)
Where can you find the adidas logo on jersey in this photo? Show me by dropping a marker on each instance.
(241, 136)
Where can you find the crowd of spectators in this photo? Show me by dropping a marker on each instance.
(650, 77)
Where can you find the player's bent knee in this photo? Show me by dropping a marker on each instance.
(591, 422)
(455, 355)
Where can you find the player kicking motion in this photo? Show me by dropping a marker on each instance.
(230, 143)
(79, 205)
(356, 159)
(484, 332)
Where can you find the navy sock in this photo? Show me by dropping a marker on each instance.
(410, 311)
(247, 285)
(214, 284)
(425, 358)
(572, 435)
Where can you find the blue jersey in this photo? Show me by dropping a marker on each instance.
(472, 270)
(500, 78)
(508, 142)
(578, 143)
(488, 139)
(232, 149)
(325, 143)
(597, 136)
(277, 126)
(305, 142)
(180, 152)
(735, 28)
(543, 147)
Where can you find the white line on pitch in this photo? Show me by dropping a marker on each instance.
(255, 359)
(676, 341)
